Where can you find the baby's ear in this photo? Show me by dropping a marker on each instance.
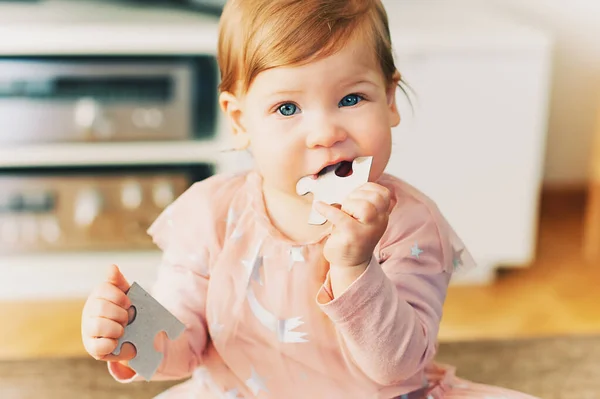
(232, 107)
(391, 100)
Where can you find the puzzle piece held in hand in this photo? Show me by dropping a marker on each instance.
(331, 188)
(150, 319)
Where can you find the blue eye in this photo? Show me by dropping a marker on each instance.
(287, 109)
(350, 100)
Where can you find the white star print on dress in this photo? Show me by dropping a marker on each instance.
(231, 217)
(283, 329)
(253, 265)
(457, 257)
(296, 256)
(256, 383)
(231, 394)
(416, 251)
(237, 233)
(203, 379)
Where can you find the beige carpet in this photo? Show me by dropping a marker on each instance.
(550, 368)
(553, 368)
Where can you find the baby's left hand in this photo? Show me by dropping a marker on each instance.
(357, 227)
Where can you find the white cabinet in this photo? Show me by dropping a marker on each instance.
(475, 140)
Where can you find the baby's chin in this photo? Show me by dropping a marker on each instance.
(285, 189)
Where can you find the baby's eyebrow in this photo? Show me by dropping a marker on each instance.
(284, 92)
(359, 82)
(343, 83)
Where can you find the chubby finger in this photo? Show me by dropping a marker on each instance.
(99, 327)
(112, 293)
(103, 348)
(370, 186)
(378, 188)
(102, 308)
(127, 352)
(373, 197)
(116, 278)
(361, 210)
(99, 348)
(333, 214)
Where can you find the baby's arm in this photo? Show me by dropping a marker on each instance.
(185, 232)
(389, 317)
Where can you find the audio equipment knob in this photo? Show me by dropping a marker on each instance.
(88, 206)
(9, 231)
(147, 118)
(90, 119)
(28, 230)
(163, 194)
(50, 229)
(132, 195)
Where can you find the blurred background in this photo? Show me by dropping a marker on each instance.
(108, 112)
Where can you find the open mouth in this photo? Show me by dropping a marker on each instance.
(342, 169)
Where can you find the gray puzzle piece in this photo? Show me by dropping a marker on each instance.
(331, 189)
(150, 319)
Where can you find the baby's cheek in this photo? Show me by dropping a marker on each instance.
(382, 151)
(288, 165)
(280, 167)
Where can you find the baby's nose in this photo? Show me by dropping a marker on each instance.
(326, 135)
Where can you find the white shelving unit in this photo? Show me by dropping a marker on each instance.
(103, 153)
(93, 27)
(482, 85)
(475, 142)
(76, 27)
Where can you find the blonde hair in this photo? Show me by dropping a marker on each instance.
(256, 35)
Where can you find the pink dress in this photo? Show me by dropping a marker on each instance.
(261, 319)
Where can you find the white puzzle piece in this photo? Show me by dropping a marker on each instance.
(331, 188)
(150, 319)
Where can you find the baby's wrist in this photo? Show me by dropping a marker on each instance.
(342, 277)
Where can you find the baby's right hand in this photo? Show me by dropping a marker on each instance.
(105, 314)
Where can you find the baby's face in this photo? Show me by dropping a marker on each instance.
(302, 118)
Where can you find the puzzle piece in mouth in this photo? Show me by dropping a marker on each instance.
(331, 188)
(150, 319)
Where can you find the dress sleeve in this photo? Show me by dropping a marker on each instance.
(389, 318)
